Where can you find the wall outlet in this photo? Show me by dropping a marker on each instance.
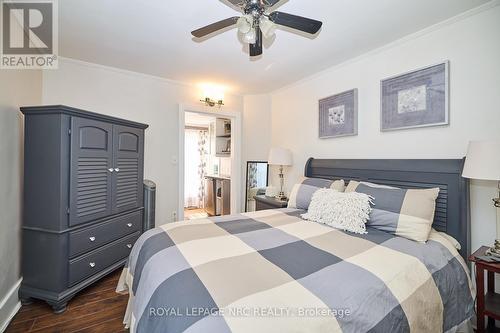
(174, 216)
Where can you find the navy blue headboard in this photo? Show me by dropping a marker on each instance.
(453, 204)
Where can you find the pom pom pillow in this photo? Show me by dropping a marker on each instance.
(345, 211)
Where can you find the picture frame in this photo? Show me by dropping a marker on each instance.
(416, 99)
(338, 115)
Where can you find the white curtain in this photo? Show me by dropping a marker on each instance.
(195, 167)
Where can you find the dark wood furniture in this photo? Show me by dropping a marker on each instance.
(487, 305)
(83, 199)
(263, 202)
(453, 203)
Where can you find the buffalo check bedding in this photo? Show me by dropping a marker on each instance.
(272, 271)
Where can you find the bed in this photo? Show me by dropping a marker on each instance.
(272, 271)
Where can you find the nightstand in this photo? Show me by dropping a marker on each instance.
(263, 202)
(489, 304)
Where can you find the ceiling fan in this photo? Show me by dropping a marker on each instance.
(257, 23)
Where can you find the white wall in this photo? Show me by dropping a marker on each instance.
(17, 88)
(256, 131)
(137, 97)
(470, 44)
(257, 127)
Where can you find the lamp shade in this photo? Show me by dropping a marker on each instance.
(245, 24)
(250, 37)
(267, 26)
(483, 160)
(280, 156)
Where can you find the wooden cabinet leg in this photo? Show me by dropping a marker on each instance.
(480, 298)
(491, 282)
(58, 308)
(26, 301)
(491, 289)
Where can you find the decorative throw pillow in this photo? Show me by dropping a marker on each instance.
(302, 192)
(407, 213)
(345, 211)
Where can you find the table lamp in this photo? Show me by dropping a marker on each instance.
(483, 162)
(282, 157)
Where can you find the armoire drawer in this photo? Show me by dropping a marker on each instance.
(91, 238)
(94, 262)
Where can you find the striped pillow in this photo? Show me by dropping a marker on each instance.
(302, 192)
(408, 213)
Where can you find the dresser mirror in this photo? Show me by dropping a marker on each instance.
(257, 181)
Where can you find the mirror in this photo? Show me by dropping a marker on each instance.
(257, 182)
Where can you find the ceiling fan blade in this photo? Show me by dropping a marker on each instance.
(271, 3)
(296, 22)
(237, 3)
(256, 49)
(202, 32)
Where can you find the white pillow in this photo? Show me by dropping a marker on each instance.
(345, 211)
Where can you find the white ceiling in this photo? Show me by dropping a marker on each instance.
(153, 37)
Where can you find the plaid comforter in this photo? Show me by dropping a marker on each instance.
(271, 271)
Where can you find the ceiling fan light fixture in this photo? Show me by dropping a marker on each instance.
(267, 26)
(245, 24)
(259, 22)
(250, 37)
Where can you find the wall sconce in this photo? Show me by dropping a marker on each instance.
(210, 102)
(213, 95)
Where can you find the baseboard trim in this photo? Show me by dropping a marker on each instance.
(11, 316)
(10, 298)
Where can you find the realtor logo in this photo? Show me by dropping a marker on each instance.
(29, 34)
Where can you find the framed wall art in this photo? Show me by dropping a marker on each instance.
(338, 115)
(416, 99)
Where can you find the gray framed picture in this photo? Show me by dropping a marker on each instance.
(338, 115)
(416, 99)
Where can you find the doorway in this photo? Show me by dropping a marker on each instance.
(209, 162)
(198, 164)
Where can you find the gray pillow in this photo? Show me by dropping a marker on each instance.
(302, 192)
(407, 213)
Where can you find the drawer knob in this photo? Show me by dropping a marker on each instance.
(92, 264)
(111, 169)
(92, 239)
(129, 225)
(117, 169)
(129, 246)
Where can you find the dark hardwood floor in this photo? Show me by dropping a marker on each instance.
(96, 309)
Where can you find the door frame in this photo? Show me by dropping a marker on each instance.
(236, 139)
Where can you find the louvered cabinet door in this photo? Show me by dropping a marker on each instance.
(128, 162)
(91, 173)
